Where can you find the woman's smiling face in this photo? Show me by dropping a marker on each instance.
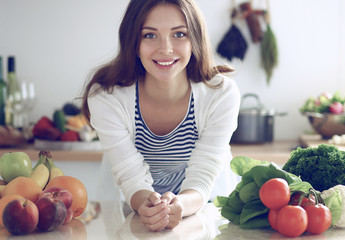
(165, 48)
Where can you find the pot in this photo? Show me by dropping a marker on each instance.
(255, 124)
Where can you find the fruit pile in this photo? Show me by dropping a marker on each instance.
(325, 103)
(41, 198)
(66, 124)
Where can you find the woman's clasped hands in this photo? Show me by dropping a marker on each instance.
(158, 212)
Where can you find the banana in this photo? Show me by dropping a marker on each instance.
(40, 172)
(45, 169)
(54, 171)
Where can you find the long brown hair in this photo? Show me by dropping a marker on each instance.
(126, 68)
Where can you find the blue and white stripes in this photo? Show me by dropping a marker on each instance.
(166, 155)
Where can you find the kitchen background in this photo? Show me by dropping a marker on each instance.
(57, 44)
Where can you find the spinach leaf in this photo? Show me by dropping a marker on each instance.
(220, 201)
(234, 202)
(252, 209)
(260, 221)
(249, 192)
(241, 164)
(246, 178)
(230, 215)
(300, 186)
(263, 173)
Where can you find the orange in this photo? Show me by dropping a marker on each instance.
(76, 188)
(23, 186)
(3, 203)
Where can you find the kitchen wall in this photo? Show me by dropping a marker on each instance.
(58, 43)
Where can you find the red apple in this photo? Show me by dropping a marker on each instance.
(58, 193)
(336, 108)
(20, 216)
(69, 216)
(52, 213)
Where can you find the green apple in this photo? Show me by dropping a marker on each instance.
(15, 164)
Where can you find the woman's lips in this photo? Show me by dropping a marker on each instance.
(165, 64)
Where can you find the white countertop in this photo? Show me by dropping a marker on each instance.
(207, 224)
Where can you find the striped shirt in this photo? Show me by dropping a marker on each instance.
(166, 155)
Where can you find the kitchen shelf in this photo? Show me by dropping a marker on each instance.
(276, 151)
(313, 140)
(58, 155)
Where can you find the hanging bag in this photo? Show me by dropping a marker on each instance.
(233, 43)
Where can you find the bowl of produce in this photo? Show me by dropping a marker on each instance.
(66, 129)
(326, 114)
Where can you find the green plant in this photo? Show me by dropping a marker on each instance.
(322, 166)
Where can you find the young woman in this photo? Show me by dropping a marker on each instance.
(164, 113)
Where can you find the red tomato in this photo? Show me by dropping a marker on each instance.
(292, 221)
(319, 218)
(295, 199)
(275, 193)
(273, 218)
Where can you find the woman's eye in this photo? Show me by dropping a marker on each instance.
(179, 34)
(149, 36)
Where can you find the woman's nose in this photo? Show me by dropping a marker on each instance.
(166, 46)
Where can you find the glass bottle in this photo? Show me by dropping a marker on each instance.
(14, 97)
(3, 94)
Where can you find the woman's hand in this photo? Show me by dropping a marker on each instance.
(158, 212)
(175, 207)
(182, 205)
(154, 212)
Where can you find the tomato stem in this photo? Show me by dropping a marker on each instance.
(301, 197)
(317, 196)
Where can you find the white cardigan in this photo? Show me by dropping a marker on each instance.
(216, 111)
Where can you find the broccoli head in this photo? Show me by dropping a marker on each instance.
(322, 166)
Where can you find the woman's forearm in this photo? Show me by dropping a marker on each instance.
(191, 202)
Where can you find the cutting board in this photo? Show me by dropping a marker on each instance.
(315, 140)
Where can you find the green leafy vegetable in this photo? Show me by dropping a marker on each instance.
(269, 52)
(263, 173)
(323, 166)
(220, 201)
(257, 222)
(334, 199)
(232, 216)
(235, 202)
(251, 210)
(241, 164)
(249, 192)
(243, 206)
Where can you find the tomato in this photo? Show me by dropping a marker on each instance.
(273, 218)
(295, 199)
(292, 221)
(275, 193)
(319, 218)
